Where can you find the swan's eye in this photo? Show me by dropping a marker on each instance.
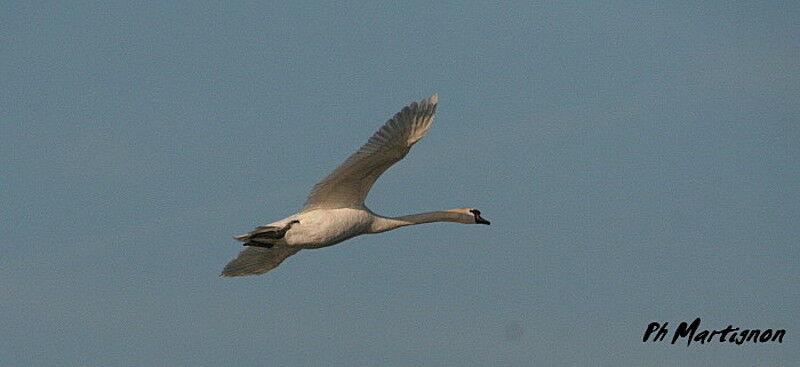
(475, 211)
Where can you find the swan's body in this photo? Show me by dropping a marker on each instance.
(335, 209)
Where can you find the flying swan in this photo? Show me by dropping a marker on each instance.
(335, 210)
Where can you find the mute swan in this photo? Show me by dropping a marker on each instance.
(335, 210)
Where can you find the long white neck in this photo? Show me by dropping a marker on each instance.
(383, 224)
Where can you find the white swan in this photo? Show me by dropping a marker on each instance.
(335, 209)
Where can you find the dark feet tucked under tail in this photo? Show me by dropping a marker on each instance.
(259, 244)
(263, 236)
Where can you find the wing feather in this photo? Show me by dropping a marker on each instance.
(348, 185)
(257, 260)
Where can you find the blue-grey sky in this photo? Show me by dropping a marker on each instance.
(639, 162)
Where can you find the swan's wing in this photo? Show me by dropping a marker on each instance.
(257, 260)
(347, 186)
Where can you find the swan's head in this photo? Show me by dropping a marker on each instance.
(470, 216)
(476, 215)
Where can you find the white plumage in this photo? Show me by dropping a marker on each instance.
(335, 209)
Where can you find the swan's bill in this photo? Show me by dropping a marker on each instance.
(478, 218)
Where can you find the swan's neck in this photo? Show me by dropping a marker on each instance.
(383, 224)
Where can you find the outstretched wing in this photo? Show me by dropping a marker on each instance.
(348, 185)
(257, 260)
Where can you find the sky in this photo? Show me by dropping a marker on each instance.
(639, 162)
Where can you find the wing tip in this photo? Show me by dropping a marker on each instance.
(233, 274)
(434, 99)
